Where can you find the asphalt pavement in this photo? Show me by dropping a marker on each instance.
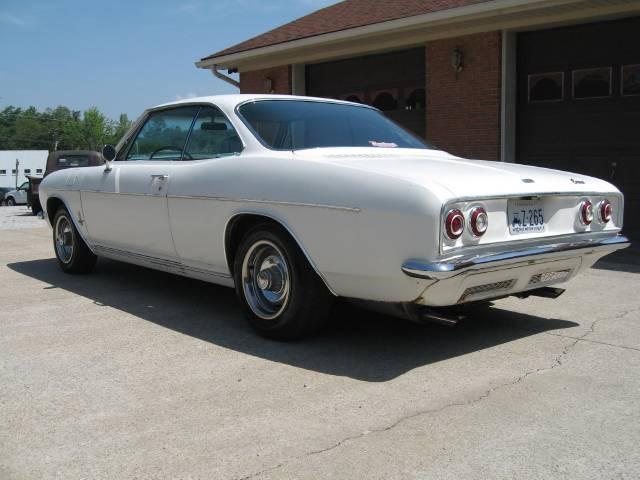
(131, 373)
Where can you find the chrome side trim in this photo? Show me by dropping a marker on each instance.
(130, 194)
(266, 202)
(170, 264)
(230, 199)
(461, 264)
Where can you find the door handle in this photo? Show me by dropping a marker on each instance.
(160, 176)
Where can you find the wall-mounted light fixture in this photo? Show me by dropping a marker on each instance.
(457, 59)
(268, 85)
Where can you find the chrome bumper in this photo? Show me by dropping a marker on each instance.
(461, 264)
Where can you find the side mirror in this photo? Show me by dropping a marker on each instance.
(109, 154)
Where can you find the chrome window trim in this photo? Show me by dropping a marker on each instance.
(250, 128)
(126, 143)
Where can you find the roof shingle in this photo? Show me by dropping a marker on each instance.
(343, 16)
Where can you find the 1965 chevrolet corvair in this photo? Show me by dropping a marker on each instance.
(295, 200)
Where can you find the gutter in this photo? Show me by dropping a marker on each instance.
(216, 73)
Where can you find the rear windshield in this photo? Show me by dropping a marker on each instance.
(299, 124)
(73, 161)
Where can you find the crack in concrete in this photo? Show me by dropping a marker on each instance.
(592, 329)
(261, 472)
(557, 362)
(624, 347)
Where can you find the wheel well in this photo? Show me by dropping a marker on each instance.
(53, 204)
(239, 225)
(237, 228)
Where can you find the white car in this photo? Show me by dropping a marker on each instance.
(295, 200)
(17, 196)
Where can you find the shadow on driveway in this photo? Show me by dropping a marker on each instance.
(358, 344)
(625, 260)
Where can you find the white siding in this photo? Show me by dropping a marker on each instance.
(29, 160)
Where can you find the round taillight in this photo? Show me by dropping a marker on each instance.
(454, 224)
(479, 221)
(604, 210)
(586, 212)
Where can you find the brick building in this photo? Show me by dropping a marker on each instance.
(554, 83)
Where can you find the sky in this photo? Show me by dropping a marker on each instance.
(124, 56)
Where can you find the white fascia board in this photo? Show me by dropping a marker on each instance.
(476, 11)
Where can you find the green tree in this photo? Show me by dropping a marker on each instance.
(8, 118)
(31, 131)
(119, 129)
(58, 129)
(96, 128)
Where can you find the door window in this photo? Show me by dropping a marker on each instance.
(163, 135)
(73, 161)
(212, 136)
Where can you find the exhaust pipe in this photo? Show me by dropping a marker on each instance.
(430, 315)
(544, 292)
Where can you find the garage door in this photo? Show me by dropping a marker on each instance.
(393, 82)
(579, 104)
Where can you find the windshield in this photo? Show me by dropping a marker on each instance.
(300, 124)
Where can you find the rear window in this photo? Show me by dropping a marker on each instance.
(73, 161)
(300, 124)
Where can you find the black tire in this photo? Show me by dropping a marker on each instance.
(77, 259)
(36, 208)
(308, 302)
(11, 202)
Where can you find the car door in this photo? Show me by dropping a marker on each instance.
(125, 208)
(21, 193)
(197, 213)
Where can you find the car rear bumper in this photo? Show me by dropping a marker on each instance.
(457, 265)
(481, 277)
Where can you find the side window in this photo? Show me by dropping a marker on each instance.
(163, 135)
(212, 136)
(73, 161)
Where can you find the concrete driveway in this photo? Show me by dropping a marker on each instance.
(130, 373)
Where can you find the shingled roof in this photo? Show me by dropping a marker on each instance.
(343, 16)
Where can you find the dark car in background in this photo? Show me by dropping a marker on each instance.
(58, 161)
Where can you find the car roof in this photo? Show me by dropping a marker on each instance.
(231, 100)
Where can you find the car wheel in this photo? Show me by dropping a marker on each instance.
(72, 253)
(281, 295)
(36, 208)
(11, 202)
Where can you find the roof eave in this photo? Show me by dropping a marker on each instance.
(475, 18)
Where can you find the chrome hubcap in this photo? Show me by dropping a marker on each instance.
(265, 279)
(64, 239)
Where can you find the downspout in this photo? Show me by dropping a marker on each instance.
(224, 77)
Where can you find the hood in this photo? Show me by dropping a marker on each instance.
(458, 176)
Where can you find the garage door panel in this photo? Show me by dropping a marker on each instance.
(592, 136)
(394, 82)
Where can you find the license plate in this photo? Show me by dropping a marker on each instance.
(525, 216)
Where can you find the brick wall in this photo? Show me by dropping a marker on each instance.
(253, 81)
(463, 114)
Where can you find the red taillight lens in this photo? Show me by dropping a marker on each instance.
(479, 221)
(454, 224)
(586, 212)
(604, 210)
